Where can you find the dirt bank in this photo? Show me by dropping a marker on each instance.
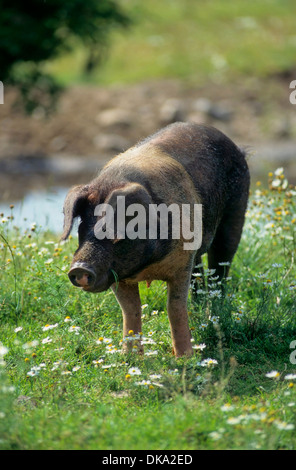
(91, 124)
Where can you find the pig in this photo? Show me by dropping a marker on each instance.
(185, 164)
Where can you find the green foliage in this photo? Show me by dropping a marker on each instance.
(66, 385)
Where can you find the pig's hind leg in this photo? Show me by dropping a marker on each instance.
(226, 241)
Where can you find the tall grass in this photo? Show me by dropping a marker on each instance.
(66, 385)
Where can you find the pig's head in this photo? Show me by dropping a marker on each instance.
(98, 263)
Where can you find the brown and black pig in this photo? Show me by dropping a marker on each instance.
(184, 164)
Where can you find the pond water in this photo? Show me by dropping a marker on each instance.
(45, 208)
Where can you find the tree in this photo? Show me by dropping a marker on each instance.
(34, 31)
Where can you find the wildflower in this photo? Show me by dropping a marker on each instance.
(30, 344)
(144, 382)
(134, 371)
(32, 373)
(106, 367)
(279, 171)
(49, 327)
(75, 368)
(151, 353)
(156, 384)
(102, 340)
(268, 282)
(227, 407)
(290, 377)
(3, 350)
(99, 361)
(46, 340)
(215, 293)
(75, 329)
(154, 312)
(208, 362)
(215, 435)
(276, 183)
(238, 317)
(214, 278)
(67, 319)
(155, 376)
(283, 426)
(31, 245)
(234, 420)
(209, 272)
(112, 350)
(214, 319)
(199, 346)
(19, 328)
(55, 365)
(274, 374)
(203, 326)
(43, 251)
(200, 291)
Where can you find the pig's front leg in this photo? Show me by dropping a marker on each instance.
(128, 298)
(178, 317)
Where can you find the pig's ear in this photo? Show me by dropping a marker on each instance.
(133, 193)
(73, 205)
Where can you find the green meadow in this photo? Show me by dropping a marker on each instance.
(196, 41)
(66, 385)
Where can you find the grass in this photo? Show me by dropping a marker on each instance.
(65, 384)
(185, 39)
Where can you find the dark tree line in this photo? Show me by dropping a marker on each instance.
(33, 31)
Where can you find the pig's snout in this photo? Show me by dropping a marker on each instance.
(82, 275)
